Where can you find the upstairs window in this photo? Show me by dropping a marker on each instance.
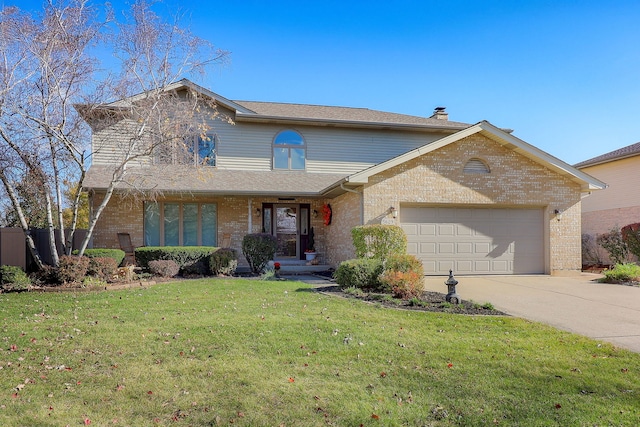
(289, 151)
(199, 151)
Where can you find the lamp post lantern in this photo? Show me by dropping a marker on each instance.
(452, 297)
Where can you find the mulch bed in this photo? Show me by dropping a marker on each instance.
(429, 301)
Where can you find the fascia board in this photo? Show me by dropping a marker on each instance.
(253, 117)
(185, 83)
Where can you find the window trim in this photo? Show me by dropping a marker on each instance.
(289, 148)
(193, 150)
(161, 225)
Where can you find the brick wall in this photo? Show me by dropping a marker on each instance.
(236, 216)
(598, 222)
(515, 181)
(346, 215)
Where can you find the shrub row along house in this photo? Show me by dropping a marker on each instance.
(471, 198)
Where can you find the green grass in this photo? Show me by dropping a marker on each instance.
(255, 353)
(621, 273)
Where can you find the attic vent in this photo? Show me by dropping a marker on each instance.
(476, 166)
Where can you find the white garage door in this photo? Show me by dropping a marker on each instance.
(475, 241)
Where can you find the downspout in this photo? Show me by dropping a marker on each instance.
(361, 200)
(250, 222)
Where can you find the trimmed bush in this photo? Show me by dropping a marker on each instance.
(184, 256)
(613, 243)
(13, 278)
(259, 249)
(622, 273)
(198, 268)
(378, 241)
(104, 268)
(224, 262)
(116, 254)
(164, 267)
(46, 276)
(360, 273)
(404, 285)
(403, 276)
(404, 263)
(72, 269)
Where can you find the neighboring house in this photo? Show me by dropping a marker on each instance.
(471, 198)
(619, 205)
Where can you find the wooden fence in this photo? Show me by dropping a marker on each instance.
(14, 251)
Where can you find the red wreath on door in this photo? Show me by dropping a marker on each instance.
(327, 213)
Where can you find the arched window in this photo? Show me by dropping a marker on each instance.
(289, 151)
(476, 166)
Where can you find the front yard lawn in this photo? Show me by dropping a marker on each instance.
(254, 353)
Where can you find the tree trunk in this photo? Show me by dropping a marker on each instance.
(23, 221)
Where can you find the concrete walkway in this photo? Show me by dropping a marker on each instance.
(576, 304)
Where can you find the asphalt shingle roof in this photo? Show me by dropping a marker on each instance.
(338, 114)
(203, 179)
(620, 153)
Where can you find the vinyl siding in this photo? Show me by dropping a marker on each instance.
(329, 150)
(110, 145)
(623, 177)
(248, 146)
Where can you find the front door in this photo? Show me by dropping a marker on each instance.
(286, 228)
(289, 223)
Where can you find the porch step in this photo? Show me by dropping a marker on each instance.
(302, 268)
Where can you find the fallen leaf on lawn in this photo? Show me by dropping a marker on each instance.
(291, 380)
(149, 392)
(558, 406)
(375, 416)
(383, 374)
(449, 365)
(87, 421)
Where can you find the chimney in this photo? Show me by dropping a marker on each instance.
(439, 113)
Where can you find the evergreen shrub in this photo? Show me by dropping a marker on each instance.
(259, 249)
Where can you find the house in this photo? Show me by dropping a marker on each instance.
(619, 205)
(471, 197)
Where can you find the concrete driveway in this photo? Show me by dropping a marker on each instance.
(576, 304)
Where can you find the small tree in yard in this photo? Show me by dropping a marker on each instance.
(631, 237)
(614, 244)
(52, 88)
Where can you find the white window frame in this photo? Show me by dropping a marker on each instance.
(289, 147)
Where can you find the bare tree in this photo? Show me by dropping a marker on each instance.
(51, 87)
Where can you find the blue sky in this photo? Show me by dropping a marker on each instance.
(564, 75)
